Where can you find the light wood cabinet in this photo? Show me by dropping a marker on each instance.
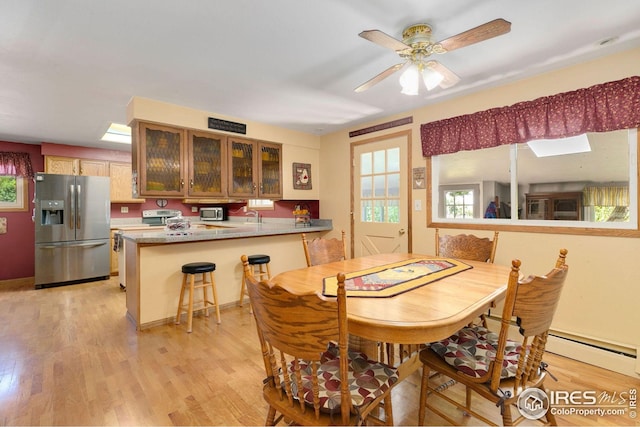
(114, 256)
(94, 167)
(73, 166)
(565, 206)
(61, 165)
(255, 169)
(121, 183)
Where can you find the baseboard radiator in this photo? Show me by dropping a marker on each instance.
(613, 356)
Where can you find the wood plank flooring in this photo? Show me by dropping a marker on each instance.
(69, 356)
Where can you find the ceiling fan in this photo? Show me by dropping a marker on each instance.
(416, 46)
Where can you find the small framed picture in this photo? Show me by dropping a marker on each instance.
(302, 176)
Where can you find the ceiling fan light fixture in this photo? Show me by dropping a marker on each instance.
(431, 78)
(410, 80)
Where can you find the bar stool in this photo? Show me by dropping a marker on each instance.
(260, 268)
(189, 271)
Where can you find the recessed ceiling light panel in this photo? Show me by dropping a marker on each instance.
(558, 147)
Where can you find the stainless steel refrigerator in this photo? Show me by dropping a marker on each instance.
(72, 227)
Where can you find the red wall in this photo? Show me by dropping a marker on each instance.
(17, 251)
(283, 208)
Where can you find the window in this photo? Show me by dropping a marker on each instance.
(460, 202)
(13, 193)
(596, 189)
(380, 186)
(260, 204)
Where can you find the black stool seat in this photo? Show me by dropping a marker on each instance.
(258, 259)
(198, 267)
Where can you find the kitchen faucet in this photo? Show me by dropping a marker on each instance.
(254, 213)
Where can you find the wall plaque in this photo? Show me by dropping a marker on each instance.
(302, 176)
(228, 126)
(419, 175)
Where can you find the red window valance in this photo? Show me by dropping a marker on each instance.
(16, 164)
(600, 108)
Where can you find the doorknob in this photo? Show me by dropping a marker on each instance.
(402, 231)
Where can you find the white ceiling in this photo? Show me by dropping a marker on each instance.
(68, 68)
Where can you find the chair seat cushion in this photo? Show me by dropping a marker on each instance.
(471, 350)
(368, 379)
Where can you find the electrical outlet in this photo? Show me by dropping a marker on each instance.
(194, 209)
(124, 209)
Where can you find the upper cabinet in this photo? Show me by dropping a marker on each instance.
(160, 152)
(118, 172)
(207, 154)
(121, 192)
(72, 166)
(175, 162)
(255, 169)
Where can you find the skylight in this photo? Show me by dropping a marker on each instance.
(557, 147)
(118, 133)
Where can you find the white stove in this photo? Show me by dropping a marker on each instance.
(158, 216)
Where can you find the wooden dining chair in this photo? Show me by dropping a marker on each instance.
(495, 367)
(466, 246)
(311, 377)
(322, 251)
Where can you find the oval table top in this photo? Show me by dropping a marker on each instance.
(423, 314)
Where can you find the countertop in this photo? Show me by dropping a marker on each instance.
(222, 230)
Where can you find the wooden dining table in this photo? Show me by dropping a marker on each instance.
(423, 314)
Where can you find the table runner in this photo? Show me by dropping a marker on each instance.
(392, 279)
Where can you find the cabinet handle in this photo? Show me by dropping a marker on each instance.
(191, 183)
(182, 183)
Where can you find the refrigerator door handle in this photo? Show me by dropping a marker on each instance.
(72, 193)
(83, 245)
(79, 209)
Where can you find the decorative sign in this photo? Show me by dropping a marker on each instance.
(228, 126)
(419, 178)
(302, 176)
(382, 126)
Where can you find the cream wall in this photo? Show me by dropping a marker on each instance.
(600, 299)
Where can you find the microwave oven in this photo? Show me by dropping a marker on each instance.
(213, 214)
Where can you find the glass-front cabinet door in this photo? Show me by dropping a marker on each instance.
(242, 168)
(270, 170)
(255, 169)
(207, 154)
(161, 160)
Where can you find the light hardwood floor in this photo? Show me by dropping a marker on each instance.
(69, 356)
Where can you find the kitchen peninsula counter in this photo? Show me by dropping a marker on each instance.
(153, 262)
(216, 230)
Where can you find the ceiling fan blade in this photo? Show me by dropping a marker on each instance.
(450, 78)
(377, 79)
(383, 39)
(491, 29)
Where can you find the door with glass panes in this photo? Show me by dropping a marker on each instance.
(380, 197)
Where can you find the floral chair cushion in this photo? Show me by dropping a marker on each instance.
(471, 349)
(368, 379)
